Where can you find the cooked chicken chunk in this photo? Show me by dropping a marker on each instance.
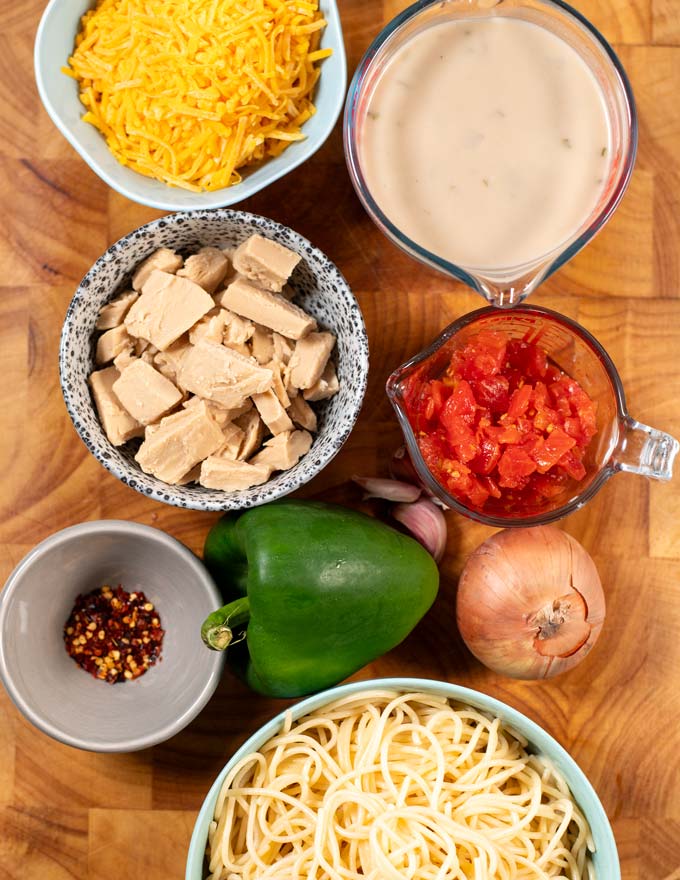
(207, 268)
(163, 259)
(112, 314)
(265, 261)
(145, 393)
(119, 426)
(284, 450)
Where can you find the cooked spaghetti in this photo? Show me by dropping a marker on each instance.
(188, 91)
(391, 786)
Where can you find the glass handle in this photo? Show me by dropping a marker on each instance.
(646, 451)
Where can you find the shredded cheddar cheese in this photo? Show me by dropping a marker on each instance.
(189, 91)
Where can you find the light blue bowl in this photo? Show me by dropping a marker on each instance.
(605, 858)
(59, 93)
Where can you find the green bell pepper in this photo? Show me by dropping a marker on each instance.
(318, 590)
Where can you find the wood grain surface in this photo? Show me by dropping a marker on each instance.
(71, 814)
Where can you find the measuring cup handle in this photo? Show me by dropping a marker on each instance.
(646, 451)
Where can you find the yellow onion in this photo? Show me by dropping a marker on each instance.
(530, 602)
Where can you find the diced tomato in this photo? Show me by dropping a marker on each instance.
(502, 429)
(514, 464)
(510, 435)
(491, 486)
(519, 402)
(461, 403)
(515, 379)
(477, 494)
(530, 441)
(457, 477)
(468, 449)
(549, 485)
(551, 449)
(572, 426)
(560, 400)
(490, 350)
(539, 396)
(529, 358)
(587, 413)
(573, 467)
(545, 419)
(440, 394)
(484, 355)
(492, 432)
(457, 430)
(433, 450)
(525, 426)
(487, 457)
(492, 392)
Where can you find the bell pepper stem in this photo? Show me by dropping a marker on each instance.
(218, 628)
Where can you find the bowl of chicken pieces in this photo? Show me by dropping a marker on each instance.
(213, 360)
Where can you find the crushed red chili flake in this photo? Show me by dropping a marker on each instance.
(114, 635)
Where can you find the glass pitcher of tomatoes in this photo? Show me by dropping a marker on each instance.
(517, 418)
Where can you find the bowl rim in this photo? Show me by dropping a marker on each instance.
(13, 585)
(537, 736)
(225, 196)
(231, 500)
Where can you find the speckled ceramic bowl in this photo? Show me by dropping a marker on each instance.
(63, 700)
(320, 290)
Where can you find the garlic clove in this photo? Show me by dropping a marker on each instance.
(426, 523)
(389, 490)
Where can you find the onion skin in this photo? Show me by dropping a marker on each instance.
(530, 603)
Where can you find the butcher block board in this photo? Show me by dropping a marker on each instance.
(71, 814)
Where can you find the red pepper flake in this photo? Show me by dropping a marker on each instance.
(114, 635)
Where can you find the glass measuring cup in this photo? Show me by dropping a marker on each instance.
(620, 444)
(509, 285)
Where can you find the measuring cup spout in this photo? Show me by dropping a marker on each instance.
(507, 292)
(646, 451)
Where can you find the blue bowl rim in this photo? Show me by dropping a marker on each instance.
(221, 198)
(539, 738)
(120, 528)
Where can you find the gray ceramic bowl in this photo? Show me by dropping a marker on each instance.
(321, 291)
(59, 697)
(59, 93)
(605, 858)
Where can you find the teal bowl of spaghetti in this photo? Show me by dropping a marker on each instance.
(402, 778)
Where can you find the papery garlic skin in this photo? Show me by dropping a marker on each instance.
(388, 490)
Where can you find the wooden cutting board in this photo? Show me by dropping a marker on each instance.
(70, 814)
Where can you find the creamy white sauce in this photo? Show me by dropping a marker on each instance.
(486, 141)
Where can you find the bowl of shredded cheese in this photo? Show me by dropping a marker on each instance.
(191, 103)
(402, 778)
